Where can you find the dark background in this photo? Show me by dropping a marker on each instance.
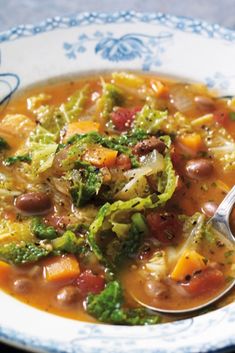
(16, 12)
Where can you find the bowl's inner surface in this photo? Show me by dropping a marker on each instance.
(162, 253)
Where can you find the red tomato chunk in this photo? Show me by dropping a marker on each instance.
(205, 281)
(87, 283)
(164, 227)
(123, 162)
(221, 116)
(123, 117)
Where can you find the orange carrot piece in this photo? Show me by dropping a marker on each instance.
(188, 264)
(191, 141)
(100, 156)
(61, 268)
(81, 127)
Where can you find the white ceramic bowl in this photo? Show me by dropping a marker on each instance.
(89, 42)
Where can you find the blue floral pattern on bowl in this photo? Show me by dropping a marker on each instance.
(219, 81)
(125, 48)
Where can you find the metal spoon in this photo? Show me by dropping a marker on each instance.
(220, 222)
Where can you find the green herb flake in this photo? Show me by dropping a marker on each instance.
(232, 116)
(228, 253)
(3, 144)
(15, 159)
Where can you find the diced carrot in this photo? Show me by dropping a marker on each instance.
(61, 268)
(81, 127)
(187, 265)
(192, 141)
(100, 156)
(4, 269)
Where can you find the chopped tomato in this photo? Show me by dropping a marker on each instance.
(123, 117)
(205, 281)
(164, 227)
(87, 283)
(123, 162)
(221, 116)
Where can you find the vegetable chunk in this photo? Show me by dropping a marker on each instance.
(187, 265)
(61, 268)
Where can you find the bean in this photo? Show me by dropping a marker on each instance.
(154, 288)
(22, 285)
(35, 271)
(68, 295)
(209, 208)
(199, 168)
(205, 103)
(148, 145)
(34, 203)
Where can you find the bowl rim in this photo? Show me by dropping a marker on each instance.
(82, 19)
(78, 19)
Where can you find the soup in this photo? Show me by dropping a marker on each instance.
(106, 186)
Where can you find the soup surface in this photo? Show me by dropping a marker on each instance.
(106, 186)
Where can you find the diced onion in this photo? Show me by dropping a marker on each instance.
(152, 163)
(182, 98)
(153, 160)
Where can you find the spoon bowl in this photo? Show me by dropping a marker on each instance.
(220, 222)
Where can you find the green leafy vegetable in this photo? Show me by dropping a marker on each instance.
(85, 182)
(42, 157)
(121, 143)
(54, 118)
(42, 231)
(150, 120)
(42, 136)
(107, 307)
(109, 213)
(111, 96)
(3, 144)
(22, 253)
(69, 243)
(167, 182)
(15, 159)
(75, 104)
(41, 147)
(129, 138)
(127, 243)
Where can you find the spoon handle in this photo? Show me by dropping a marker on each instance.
(220, 220)
(224, 209)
